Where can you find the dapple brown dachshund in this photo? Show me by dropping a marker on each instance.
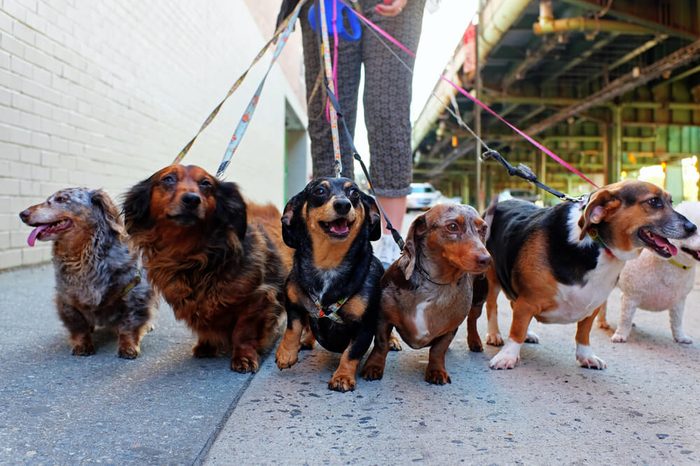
(428, 291)
(99, 282)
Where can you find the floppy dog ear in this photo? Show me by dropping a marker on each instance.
(373, 216)
(407, 260)
(231, 208)
(292, 230)
(110, 213)
(600, 205)
(137, 207)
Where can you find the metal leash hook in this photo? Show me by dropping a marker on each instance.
(338, 167)
(526, 173)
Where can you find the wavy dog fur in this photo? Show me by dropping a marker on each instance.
(98, 279)
(218, 261)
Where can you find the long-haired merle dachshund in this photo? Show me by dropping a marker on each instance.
(218, 261)
(334, 283)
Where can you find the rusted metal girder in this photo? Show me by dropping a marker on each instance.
(567, 101)
(530, 61)
(582, 57)
(623, 84)
(622, 11)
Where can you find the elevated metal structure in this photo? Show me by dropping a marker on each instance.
(609, 85)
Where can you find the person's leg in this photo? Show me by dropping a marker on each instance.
(395, 209)
(387, 101)
(349, 63)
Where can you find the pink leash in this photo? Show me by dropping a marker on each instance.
(478, 102)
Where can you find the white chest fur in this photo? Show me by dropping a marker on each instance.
(575, 302)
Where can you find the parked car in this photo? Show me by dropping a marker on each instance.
(423, 196)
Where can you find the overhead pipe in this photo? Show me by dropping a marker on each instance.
(497, 18)
(546, 24)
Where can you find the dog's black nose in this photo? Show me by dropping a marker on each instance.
(483, 260)
(191, 200)
(342, 206)
(690, 227)
(24, 215)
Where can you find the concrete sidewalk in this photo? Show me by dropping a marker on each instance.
(163, 407)
(167, 408)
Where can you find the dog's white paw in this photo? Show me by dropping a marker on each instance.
(618, 338)
(683, 339)
(532, 337)
(508, 357)
(494, 339)
(586, 358)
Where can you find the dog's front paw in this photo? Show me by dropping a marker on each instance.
(683, 339)
(588, 360)
(394, 343)
(342, 383)
(83, 349)
(508, 357)
(244, 364)
(618, 338)
(285, 359)
(503, 361)
(373, 372)
(494, 339)
(128, 352)
(437, 376)
(532, 337)
(603, 324)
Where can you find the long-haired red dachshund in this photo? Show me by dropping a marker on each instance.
(218, 261)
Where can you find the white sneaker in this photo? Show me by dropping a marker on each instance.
(386, 250)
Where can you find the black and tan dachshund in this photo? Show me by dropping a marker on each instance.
(333, 287)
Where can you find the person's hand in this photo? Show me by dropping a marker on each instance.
(390, 7)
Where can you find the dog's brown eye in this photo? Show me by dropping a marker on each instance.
(60, 199)
(354, 194)
(205, 184)
(168, 180)
(452, 227)
(320, 191)
(655, 203)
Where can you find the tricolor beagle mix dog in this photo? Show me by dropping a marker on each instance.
(559, 264)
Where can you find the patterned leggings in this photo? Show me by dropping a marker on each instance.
(387, 97)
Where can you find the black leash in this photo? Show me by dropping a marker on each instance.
(394, 233)
(524, 172)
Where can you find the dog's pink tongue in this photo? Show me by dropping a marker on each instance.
(340, 228)
(31, 240)
(665, 244)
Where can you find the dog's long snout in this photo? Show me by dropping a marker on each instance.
(342, 206)
(689, 227)
(24, 215)
(191, 200)
(483, 260)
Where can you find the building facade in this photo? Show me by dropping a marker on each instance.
(102, 93)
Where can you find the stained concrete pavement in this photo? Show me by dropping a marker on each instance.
(167, 408)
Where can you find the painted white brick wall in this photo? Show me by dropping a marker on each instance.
(102, 93)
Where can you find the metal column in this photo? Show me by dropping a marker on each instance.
(616, 162)
(477, 116)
